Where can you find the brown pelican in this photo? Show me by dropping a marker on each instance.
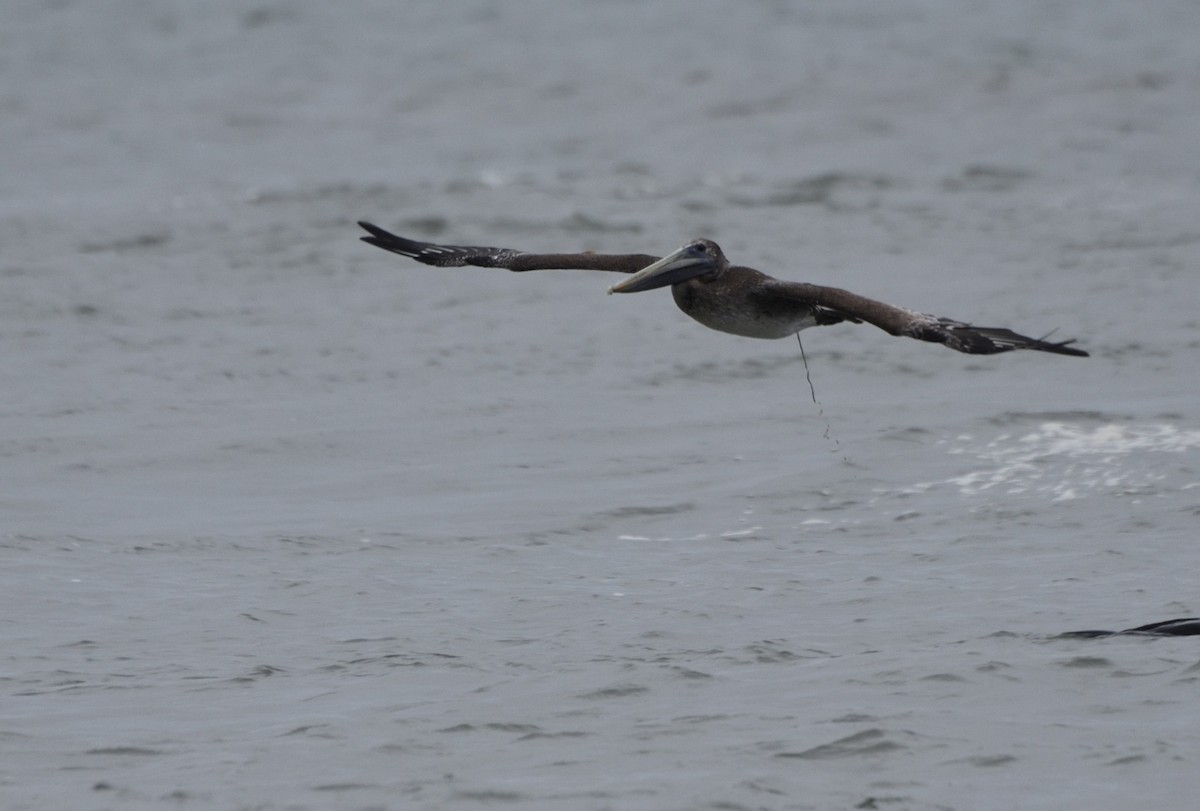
(728, 298)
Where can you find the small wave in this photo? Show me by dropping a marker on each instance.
(1068, 461)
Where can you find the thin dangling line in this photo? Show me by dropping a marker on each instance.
(807, 376)
(813, 391)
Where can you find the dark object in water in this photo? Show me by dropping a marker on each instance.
(1188, 626)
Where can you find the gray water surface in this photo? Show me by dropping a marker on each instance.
(292, 523)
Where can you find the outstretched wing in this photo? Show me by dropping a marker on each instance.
(982, 340)
(462, 256)
(438, 255)
(900, 321)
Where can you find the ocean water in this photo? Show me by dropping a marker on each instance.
(287, 522)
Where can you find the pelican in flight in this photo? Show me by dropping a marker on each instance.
(729, 298)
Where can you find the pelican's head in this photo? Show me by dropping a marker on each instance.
(699, 258)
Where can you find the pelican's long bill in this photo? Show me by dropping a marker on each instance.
(686, 263)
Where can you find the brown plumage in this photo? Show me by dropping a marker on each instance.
(728, 298)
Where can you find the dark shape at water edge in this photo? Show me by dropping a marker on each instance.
(1187, 626)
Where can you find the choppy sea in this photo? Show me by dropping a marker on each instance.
(287, 522)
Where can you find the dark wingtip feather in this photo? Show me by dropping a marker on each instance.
(1058, 347)
(992, 340)
(390, 242)
(372, 229)
(1063, 349)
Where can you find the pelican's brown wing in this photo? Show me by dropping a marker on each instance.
(462, 256)
(911, 324)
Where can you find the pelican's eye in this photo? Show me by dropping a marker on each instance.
(700, 248)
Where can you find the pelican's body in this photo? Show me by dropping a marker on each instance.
(741, 303)
(729, 298)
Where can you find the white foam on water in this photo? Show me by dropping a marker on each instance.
(1068, 461)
